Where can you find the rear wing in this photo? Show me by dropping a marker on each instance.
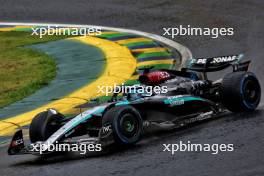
(217, 63)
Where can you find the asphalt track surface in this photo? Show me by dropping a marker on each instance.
(245, 131)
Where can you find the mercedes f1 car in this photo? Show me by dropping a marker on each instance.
(191, 97)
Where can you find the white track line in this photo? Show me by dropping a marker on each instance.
(184, 52)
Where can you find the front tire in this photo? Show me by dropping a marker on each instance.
(241, 91)
(44, 125)
(126, 123)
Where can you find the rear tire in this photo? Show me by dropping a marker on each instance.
(126, 124)
(241, 91)
(43, 126)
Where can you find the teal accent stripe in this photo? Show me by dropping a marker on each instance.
(122, 103)
(85, 118)
(190, 98)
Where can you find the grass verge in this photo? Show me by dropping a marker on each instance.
(23, 70)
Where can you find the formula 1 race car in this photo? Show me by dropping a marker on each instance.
(190, 97)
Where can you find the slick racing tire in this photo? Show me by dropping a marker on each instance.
(126, 124)
(44, 125)
(241, 91)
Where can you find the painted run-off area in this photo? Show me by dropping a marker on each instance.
(146, 52)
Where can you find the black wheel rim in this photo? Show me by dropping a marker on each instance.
(251, 91)
(129, 125)
(51, 127)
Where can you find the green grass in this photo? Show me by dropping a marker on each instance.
(23, 70)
